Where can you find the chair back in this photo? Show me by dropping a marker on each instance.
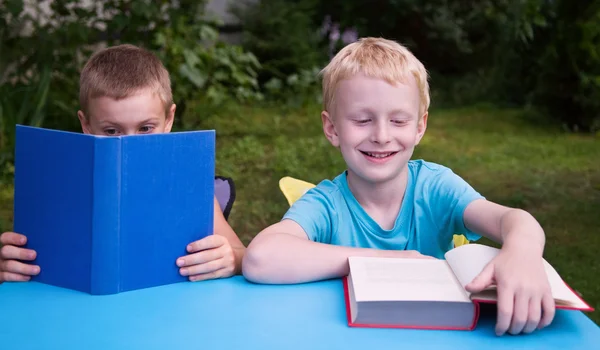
(225, 193)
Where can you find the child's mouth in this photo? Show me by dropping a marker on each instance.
(378, 156)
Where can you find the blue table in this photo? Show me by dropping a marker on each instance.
(235, 314)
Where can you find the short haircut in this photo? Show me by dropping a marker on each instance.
(376, 58)
(122, 71)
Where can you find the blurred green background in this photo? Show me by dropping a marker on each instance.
(515, 94)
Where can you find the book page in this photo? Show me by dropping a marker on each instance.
(468, 261)
(390, 279)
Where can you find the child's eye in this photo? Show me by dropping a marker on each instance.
(399, 122)
(110, 131)
(362, 121)
(146, 128)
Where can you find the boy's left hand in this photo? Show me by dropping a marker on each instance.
(525, 299)
(210, 257)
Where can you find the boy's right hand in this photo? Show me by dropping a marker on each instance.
(11, 269)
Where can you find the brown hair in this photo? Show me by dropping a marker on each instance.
(121, 71)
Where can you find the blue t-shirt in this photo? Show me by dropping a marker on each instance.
(431, 213)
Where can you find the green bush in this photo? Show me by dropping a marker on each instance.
(205, 69)
(545, 54)
(42, 54)
(287, 43)
(568, 71)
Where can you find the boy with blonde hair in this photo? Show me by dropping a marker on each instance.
(126, 90)
(376, 100)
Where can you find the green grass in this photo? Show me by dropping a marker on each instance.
(507, 155)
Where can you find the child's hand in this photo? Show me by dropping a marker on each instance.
(524, 296)
(10, 268)
(210, 257)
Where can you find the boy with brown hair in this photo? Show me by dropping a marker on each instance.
(376, 101)
(126, 90)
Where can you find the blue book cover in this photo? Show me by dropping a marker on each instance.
(112, 214)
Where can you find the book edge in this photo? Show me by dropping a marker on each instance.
(361, 325)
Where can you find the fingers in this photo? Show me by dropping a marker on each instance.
(10, 268)
(221, 273)
(16, 267)
(548, 310)
(12, 238)
(209, 242)
(535, 314)
(11, 252)
(205, 268)
(201, 257)
(520, 314)
(483, 280)
(505, 310)
(13, 277)
(208, 263)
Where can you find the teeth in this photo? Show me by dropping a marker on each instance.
(378, 155)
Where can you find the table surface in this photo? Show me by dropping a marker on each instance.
(235, 314)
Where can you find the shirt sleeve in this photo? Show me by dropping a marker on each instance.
(450, 196)
(313, 213)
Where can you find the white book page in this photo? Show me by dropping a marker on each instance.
(392, 279)
(468, 261)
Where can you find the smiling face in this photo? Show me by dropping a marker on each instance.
(376, 125)
(141, 113)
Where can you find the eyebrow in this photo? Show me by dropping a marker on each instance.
(395, 113)
(111, 122)
(401, 113)
(152, 119)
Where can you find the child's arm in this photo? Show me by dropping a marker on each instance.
(216, 256)
(282, 253)
(524, 296)
(11, 269)
(223, 229)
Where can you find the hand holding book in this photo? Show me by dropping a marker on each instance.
(432, 294)
(15, 260)
(209, 257)
(523, 291)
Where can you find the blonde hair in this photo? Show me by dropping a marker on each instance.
(121, 71)
(376, 58)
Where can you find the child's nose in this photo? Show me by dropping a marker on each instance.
(381, 134)
(130, 131)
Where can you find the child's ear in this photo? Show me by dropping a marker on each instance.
(329, 129)
(421, 127)
(85, 124)
(170, 118)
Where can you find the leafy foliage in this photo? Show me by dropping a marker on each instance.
(538, 53)
(45, 44)
(281, 34)
(289, 46)
(568, 71)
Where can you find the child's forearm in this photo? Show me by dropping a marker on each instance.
(520, 230)
(284, 258)
(281, 258)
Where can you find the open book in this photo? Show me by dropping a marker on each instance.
(112, 214)
(430, 293)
